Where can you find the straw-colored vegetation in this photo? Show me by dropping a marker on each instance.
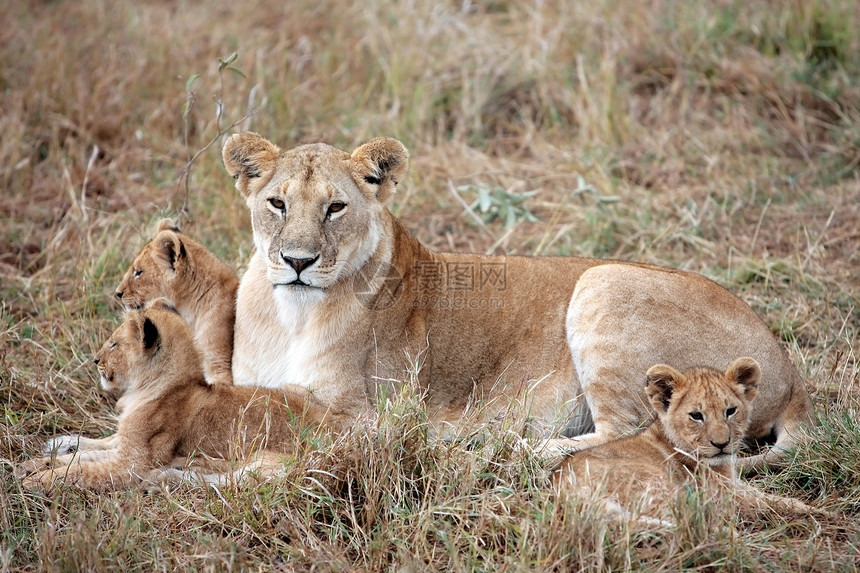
(720, 137)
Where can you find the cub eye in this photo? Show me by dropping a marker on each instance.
(730, 411)
(697, 416)
(336, 208)
(112, 345)
(138, 272)
(276, 203)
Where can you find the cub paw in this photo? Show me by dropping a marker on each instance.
(41, 480)
(29, 467)
(62, 445)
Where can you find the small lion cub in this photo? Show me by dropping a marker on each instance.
(702, 416)
(171, 412)
(197, 283)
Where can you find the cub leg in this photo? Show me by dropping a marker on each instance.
(67, 444)
(117, 473)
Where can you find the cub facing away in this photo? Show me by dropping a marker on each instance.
(702, 416)
(171, 412)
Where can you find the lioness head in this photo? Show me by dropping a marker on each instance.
(147, 346)
(315, 210)
(155, 268)
(704, 412)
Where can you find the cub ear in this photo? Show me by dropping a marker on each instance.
(378, 165)
(169, 250)
(167, 225)
(660, 383)
(747, 373)
(150, 334)
(251, 160)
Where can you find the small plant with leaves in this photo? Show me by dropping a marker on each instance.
(497, 203)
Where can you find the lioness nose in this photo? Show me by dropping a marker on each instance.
(719, 446)
(96, 360)
(118, 294)
(299, 264)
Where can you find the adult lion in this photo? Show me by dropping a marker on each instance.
(341, 299)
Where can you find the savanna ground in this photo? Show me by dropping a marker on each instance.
(719, 137)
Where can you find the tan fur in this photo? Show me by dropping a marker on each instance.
(201, 287)
(702, 415)
(170, 411)
(340, 298)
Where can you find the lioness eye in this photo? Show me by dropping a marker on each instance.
(138, 272)
(730, 411)
(697, 416)
(276, 203)
(336, 208)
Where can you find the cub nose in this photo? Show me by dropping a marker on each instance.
(118, 294)
(299, 264)
(96, 360)
(720, 446)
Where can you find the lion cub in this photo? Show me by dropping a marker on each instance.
(702, 416)
(198, 284)
(170, 411)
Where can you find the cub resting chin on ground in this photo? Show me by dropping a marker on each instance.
(201, 288)
(702, 415)
(171, 412)
(340, 298)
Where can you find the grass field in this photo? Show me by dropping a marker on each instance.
(719, 137)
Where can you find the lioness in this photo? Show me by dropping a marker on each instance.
(340, 298)
(702, 416)
(170, 411)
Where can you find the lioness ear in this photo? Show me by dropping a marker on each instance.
(150, 334)
(660, 383)
(746, 372)
(167, 225)
(378, 165)
(251, 160)
(169, 250)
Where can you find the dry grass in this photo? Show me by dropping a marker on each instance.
(720, 137)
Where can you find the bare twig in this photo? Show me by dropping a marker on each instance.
(183, 211)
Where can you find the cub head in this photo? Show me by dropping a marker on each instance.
(149, 346)
(315, 210)
(156, 270)
(704, 412)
